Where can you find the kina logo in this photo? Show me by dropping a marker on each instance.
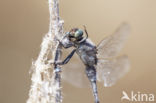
(137, 96)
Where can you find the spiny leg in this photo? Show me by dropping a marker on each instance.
(66, 60)
(91, 73)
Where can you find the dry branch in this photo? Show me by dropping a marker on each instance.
(46, 84)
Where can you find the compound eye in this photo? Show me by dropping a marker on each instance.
(78, 33)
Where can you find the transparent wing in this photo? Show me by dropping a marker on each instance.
(111, 45)
(110, 71)
(74, 72)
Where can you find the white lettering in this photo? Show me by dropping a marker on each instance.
(151, 97)
(133, 96)
(140, 97)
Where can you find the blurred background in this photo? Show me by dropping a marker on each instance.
(23, 23)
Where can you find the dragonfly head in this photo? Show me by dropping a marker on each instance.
(76, 34)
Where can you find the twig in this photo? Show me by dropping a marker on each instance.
(46, 85)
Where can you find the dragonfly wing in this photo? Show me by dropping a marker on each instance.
(111, 45)
(110, 71)
(74, 72)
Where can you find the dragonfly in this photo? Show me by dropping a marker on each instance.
(101, 62)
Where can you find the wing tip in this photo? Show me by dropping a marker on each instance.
(126, 26)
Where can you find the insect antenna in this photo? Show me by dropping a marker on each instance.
(85, 30)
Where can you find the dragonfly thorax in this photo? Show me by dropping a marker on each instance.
(87, 52)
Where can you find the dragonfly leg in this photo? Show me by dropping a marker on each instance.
(65, 61)
(91, 73)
